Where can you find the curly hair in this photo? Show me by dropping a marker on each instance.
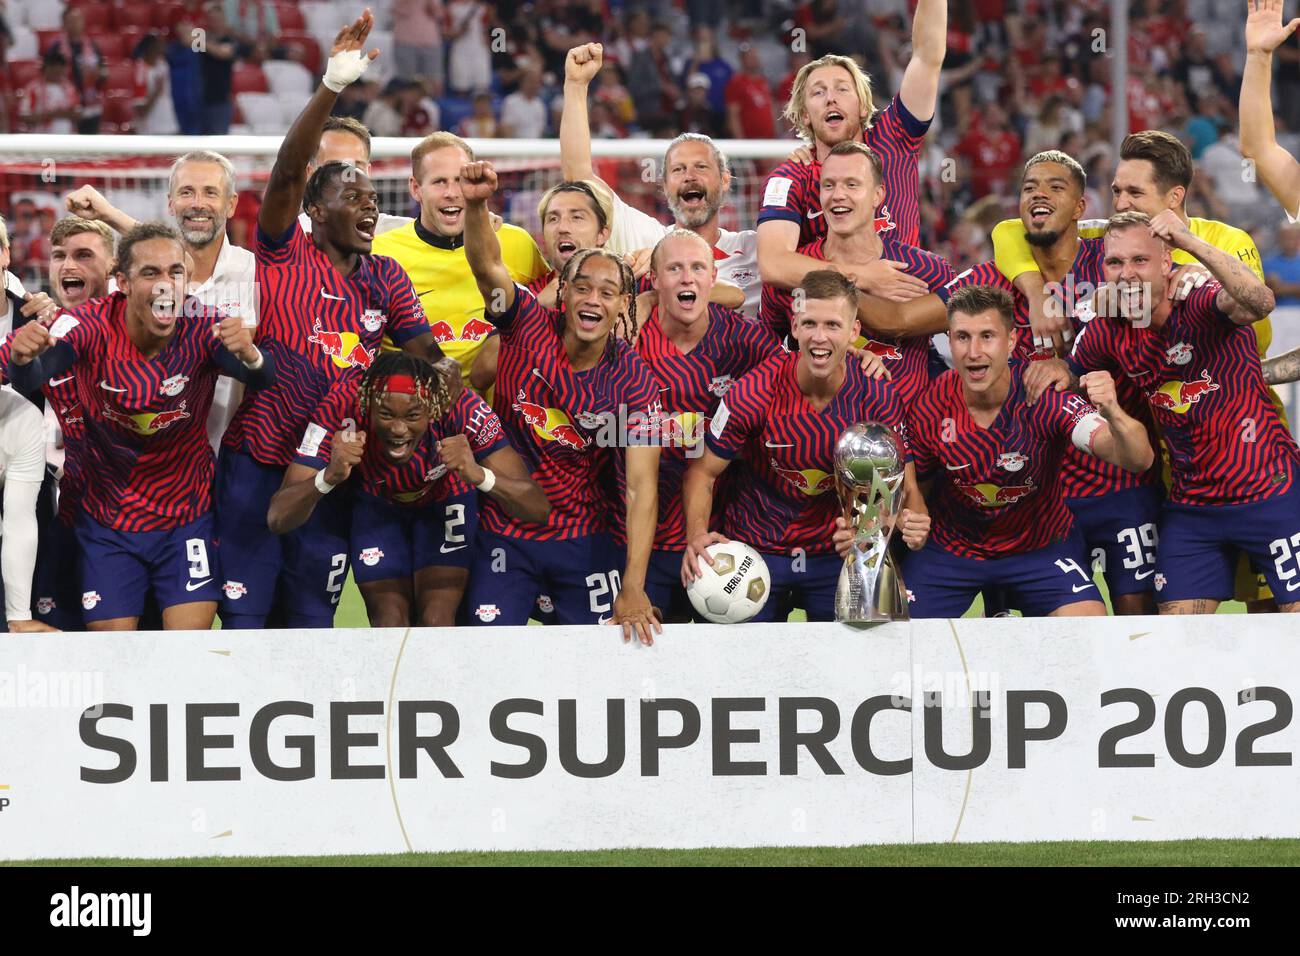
(432, 389)
(625, 325)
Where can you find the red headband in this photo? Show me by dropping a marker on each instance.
(399, 385)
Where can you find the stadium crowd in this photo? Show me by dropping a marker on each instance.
(1037, 366)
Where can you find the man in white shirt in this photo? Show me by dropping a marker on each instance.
(22, 469)
(523, 112)
(201, 196)
(696, 179)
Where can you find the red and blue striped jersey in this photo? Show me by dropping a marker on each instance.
(996, 490)
(690, 386)
(1202, 379)
(785, 498)
(794, 191)
(540, 283)
(565, 423)
(422, 478)
(144, 449)
(320, 326)
(906, 359)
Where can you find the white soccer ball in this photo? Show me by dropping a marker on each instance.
(735, 588)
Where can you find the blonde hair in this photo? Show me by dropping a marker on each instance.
(794, 109)
(70, 226)
(434, 141)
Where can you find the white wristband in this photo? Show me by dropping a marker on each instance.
(323, 486)
(489, 481)
(254, 366)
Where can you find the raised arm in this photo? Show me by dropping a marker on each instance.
(920, 87)
(1244, 298)
(482, 247)
(1274, 166)
(88, 203)
(304, 485)
(1122, 440)
(282, 200)
(580, 67)
(512, 486)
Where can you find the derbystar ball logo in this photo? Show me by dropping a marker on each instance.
(487, 613)
(344, 348)
(1178, 397)
(90, 599)
(550, 424)
(987, 495)
(234, 590)
(473, 329)
(146, 423)
(810, 481)
(370, 557)
(171, 387)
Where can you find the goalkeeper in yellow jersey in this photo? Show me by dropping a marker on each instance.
(1154, 174)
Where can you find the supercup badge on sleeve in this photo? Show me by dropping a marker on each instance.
(719, 420)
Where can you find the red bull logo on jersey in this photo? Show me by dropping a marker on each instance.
(885, 351)
(884, 221)
(1178, 397)
(810, 481)
(370, 556)
(89, 599)
(234, 590)
(1012, 461)
(146, 423)
(988, 495)
(45, 605)
(171, 387)
(1179, 354)
(719, 384)
(373, 320)
(487, 613)
(685, 429)
(550, 424)
(474, 329)
(344, 348)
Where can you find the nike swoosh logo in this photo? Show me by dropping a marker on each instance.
(336, 298)
(1144, 574)
(1081, 587)
(814, 215)
(55, 382)
(606, 619)
(195, 585)
(109, 388)
(1292, 587)
(957, 467)
(420, 295)
(768, 444)
(446, 550)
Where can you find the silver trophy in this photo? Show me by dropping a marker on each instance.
(869, 469)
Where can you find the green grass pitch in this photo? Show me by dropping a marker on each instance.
(1169, 853)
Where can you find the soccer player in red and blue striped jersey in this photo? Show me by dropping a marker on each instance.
(695, 349)
(146, 361)
(1233, 462)
(325, 305)
(831, 102)
(851, 191)
(571, 391)
(783, 420)
(988, 463)
(419, 454)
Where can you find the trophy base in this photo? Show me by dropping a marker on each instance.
(866, 604)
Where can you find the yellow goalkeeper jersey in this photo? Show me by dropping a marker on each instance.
(446, 287)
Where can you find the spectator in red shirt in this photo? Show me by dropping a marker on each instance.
(797, 61)
(750, 109)
(88, 69)
(991, 151)
(49, 103)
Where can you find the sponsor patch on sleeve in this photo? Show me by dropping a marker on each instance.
(719, 420)
(63, 325)
(778, 190)
(311, 441)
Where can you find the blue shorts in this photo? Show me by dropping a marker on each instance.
(390, 542)
(1119, 533)
(579, 575)
(1199, 546)
(304, 570)
(119, 568)
(56, 582)
(804, 581)
(941, 584)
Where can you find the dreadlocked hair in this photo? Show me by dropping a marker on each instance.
(431, 387)
(625, 325)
